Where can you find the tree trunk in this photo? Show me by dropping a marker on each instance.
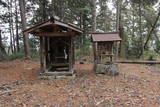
(152, 29)
(62, 10)
(17, 35)
(44, 10)
(24, 26)
(2, 48)
(10, 24)
(119, 28)
(12, 31)
(94, 23)
(118, 15)
(140, 28)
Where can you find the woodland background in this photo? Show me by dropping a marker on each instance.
(137, 21)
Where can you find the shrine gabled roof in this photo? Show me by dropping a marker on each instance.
(53, 25)
(105, 36)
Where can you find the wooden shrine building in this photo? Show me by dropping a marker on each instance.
(103, 44)
(56, 46)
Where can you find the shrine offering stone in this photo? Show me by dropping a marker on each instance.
(110, 69)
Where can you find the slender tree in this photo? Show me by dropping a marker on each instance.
(94, 22)
(119, 28)
(2, 48)
(152, 29)
(10, 24)
(24, 26)
(16, 25)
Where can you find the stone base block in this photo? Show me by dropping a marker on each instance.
(110, 69)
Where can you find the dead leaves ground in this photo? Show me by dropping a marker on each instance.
(137, 85)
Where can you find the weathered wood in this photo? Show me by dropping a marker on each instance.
(60, 64)
(44, 52)
(71, 55)
(41, 54)
(94, 51)
(104, 49)
(57, 73)
(117, 51)
(56, 44)
(47, 51)
(139, 62)
(53, 22)
(55, 34)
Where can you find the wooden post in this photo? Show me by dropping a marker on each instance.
(73, 52)
(44, 52)
(70, 54)
(94, 51)
(112, 51)
(41, 54)
(48, 46)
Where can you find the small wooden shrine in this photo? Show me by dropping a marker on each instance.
(103, 46)
(56, 46)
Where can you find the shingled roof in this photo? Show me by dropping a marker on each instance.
(105, 36)
(50, 27)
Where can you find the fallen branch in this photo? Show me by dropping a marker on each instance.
(7, 92)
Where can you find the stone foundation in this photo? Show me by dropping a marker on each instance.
(110, 69)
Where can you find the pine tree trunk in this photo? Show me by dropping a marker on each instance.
(94, 23)
(12, 30)
(24, 26)
(17, 35)
(2, 48)
(118, 15)
(119, 28)
(140, 28)
(44, 10)
(10, 24)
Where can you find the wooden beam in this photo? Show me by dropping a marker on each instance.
(31, 29)
(70, 26)
(139, 62)
(55, 34)
(62, 73)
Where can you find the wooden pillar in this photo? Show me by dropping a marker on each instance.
(48, 46)
(41, 55)
(46, 51)
(71, 54)
(117, 51)
(73, 58)
(94, 50)
(112, 43)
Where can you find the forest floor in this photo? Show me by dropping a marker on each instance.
(136, 85)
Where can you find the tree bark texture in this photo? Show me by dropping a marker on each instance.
(24, 26)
